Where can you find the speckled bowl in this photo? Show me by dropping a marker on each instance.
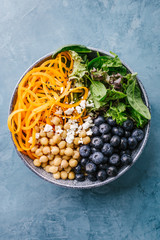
(73, 183)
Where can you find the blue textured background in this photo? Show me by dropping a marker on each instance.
(129, 208)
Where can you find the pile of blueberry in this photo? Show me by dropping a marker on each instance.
(110, 149)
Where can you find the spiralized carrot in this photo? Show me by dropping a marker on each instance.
(41, 91)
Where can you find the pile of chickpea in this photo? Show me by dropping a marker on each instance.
(54, 154)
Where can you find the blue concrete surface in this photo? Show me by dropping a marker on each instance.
(129, 208)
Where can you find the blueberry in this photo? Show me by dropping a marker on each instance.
(126, 159)
(84, 151)
(90, 167)
(107, 149)
(103, 166)
(132, 143)
(99, 120)
(104, 128)
(92, 177)
(128, 125)
(114, 160)
(93, 149)
(123, 143)
(138, 134)
(80, 177)
(105, 159)
(127, 134)
(116, 150)
(111, 122)
(115, 141)
(78, 169)
(101, 175)
(106, 137)
(125, 152)
(112, 171)
(120, 132)
(97, 157)
(84, 161)
(97, 142)
(95, 131)
(115, 130)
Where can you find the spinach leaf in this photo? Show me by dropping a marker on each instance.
(98, 90)
(117, 112)
(112, 94)
(76, 48)
(135, 100)
(140, 121)
(97, 62)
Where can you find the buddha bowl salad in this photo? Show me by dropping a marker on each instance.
(79, 118)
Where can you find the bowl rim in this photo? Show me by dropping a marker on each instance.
(91, 184)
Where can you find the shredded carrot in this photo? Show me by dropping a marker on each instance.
(40, 93)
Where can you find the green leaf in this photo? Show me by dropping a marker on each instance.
(97, 62)
(76, 48)
(117, 112)
(98, 90)
(112, 94)
(140, 121)
(135, 100)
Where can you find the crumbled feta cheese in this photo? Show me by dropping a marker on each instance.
(48, 128)
(83, 104)
(88, 123)
(69, 111)
(79, 109)
(61, 89)
(79, 129)
(59, 111)
(89, 103)
(58, 130)
(89, 132)
(74, 126)
(37, 135)
(80, 141)
(30, 140)
(70, 136)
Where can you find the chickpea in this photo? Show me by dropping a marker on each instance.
(57, 175)
(43, 158)
(37, 129)
(57, 161)
(82, 134)
(64, 175)
(76, 155)
(64, 134)
(38, 152)
(70, 145)
(42, 133)
(50, 156)
(68, 169)
(66, 126)
(76, 140)
(56, 138)
(44, 141)
(60, 168)
(54, 150)
(57, 156)
(50, 134)
(53, 169)
(66, 157)
(51, 142)
(37, 163)
(41, 147)
(55, 121)
(73, 162)
(34, 148)
(69, 152)
(62, 144)
(71, 175)
(46, 150)
(44, 164)
(64, 164)
(61, 152)
(47, 168)
(51, 162)
(86, 140)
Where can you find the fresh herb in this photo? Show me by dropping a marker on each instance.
(112, 94)
(117, 112)
(75, 48)
(135, 100)
(138, 119)
(98, 90)
(98, 62)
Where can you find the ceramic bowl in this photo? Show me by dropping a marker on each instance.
(73, 183)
